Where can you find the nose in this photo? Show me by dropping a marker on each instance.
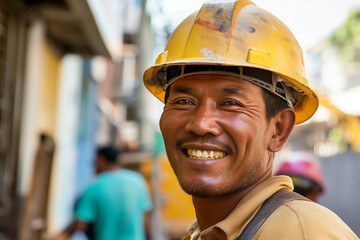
(204, 121)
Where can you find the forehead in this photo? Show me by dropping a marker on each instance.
(215, 83)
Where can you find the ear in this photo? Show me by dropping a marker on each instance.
(281, 126)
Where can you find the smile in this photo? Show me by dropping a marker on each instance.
(201, 154)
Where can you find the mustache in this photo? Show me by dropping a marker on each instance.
(210, 140)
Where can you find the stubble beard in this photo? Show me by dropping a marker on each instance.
(210, 191)
(240, 183)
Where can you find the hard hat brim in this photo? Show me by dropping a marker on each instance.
(304, 110)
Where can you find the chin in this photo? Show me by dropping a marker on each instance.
(204, 190)
(199, 192)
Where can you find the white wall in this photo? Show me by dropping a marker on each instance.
(64, 169)
(29, 132)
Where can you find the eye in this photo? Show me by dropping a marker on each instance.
(231, 103)
(183, 102)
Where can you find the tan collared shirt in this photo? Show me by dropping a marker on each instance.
(293, 220)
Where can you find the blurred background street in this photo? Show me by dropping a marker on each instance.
(71, 80)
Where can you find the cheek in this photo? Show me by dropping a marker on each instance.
(249, 139)
(164, 123)
(164, 118)
(167, 126)
(242, 130)
(161, 122)
(171, 121)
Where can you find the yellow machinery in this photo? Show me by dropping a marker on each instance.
(348, 123)
(175, 206)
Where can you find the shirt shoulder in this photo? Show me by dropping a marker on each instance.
(304, 220)
(132, 177)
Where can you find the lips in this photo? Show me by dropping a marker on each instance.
(205, 154)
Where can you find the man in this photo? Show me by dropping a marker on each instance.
(116, 203)
(305, 173)
(233, 82)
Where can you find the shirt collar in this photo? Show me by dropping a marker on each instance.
(233, 225)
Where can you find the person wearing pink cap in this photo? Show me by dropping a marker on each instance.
(305, 173)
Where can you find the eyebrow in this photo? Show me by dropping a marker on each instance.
(225, 90)
(180, 89)
(232, 91)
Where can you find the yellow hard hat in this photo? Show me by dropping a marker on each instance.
(239, 36)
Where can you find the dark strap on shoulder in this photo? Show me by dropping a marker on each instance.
(270, 205)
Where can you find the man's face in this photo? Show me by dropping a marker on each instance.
(216, 134)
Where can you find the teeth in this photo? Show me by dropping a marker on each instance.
(198, 154)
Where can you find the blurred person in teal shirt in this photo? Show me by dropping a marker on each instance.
(116, 205)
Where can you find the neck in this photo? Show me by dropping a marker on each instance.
(210, 211)
(109, 169)
(112, 168)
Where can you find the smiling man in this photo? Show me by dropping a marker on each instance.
(215, 130)
(233, 82)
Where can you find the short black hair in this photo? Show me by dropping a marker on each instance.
(273, 104)
(110, 153)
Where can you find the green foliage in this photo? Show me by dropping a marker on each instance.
(346, 38)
